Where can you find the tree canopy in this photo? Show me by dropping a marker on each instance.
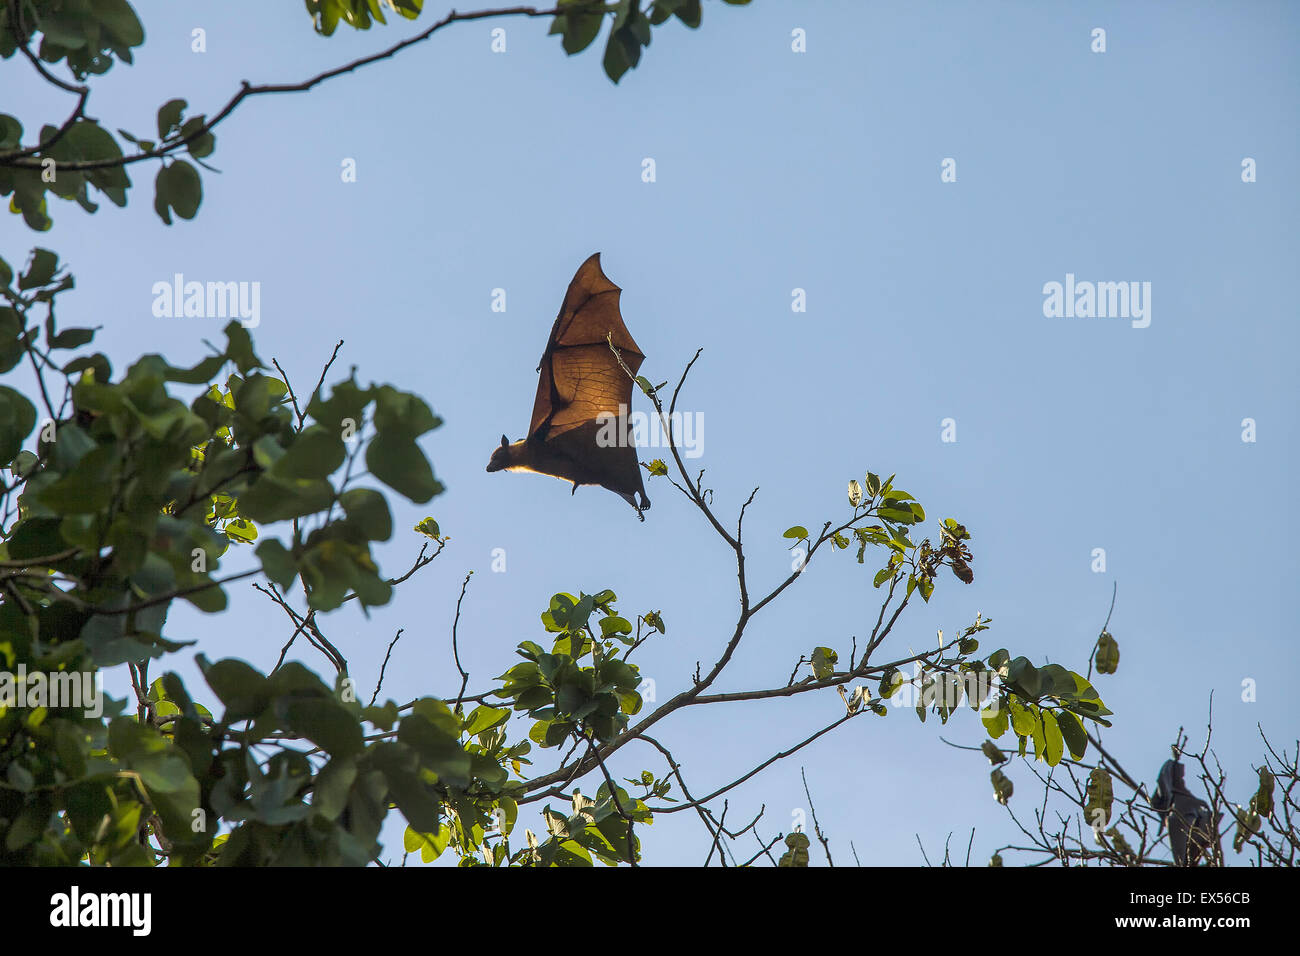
(128, 491)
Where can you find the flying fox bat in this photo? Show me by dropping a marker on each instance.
(1193, 825)
(579, 430)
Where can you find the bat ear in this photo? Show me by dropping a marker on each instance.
(504, 441)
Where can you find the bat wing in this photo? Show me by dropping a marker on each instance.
(580, 378)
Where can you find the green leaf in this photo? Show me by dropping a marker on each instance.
(315, 453)
(995, 720)
(414, 798)
(120, 21)
(40, 270)
(325, 722)
(1024, 678)
(271, 499)
(13, 340)
(1053, 739)
(621, 54)
(17, 419)
(1072, 732)
(177, 188)
(382, 717)
(614, 625)
(397, 461)
(71, 338)
(277, 562)
(11, 135)
(101, 370)
(798, 532)
(202, 144)
(239, 347)
(32, 820)
(823, 662)
(1022, 720)
(397, 411)
(169, 117)
(241, 530)
(483, 718)
(36, 538)
(1056, 681)
(332, 787)
(578, 29)
(439, 749)
(688, 11)
(368, 510)
(244, 691)
(430, 846)
(1038, 732)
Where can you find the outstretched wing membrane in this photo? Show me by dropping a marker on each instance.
(580, 377)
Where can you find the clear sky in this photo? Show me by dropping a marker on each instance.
(779, 170)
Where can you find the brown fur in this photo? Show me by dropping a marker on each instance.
(580, 384)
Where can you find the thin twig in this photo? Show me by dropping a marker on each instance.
(455, 648)
(384, 667)
(826, 845)
(24, 157)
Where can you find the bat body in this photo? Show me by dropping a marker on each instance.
(579, 429)
(1193, 827)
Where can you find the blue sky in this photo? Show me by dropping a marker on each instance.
(775, 171)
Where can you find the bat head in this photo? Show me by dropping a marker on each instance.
(500, 456)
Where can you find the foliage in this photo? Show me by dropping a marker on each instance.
(132, 498)
(129, 501)
(167, 483)
(81, 154)
(1102, 799)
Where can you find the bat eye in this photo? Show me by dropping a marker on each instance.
(504, 441)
